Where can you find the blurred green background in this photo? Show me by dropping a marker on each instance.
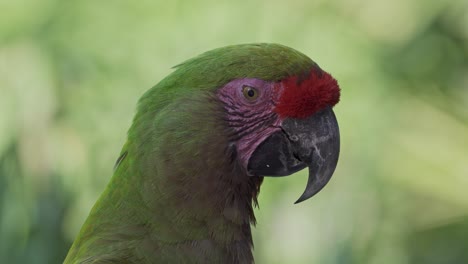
(72, 71)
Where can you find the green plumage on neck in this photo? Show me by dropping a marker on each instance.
(177, 195)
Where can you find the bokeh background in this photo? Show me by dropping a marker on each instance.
(72, 71)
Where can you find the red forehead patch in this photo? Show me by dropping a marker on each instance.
(304, 95)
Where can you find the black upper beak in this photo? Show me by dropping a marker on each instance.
(313, 142)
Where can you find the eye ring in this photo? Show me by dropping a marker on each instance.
(250, 93)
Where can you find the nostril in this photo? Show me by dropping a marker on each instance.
(293, 138)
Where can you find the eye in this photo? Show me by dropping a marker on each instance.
(250, 93)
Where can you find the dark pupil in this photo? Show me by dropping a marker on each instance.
(251, 93)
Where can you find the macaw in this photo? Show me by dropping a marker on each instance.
(201, 142)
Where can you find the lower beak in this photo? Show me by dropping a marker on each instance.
(313, 142)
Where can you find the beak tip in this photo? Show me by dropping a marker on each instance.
(305, 196)
(299, 200)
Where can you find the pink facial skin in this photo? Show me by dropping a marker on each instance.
(252, 120)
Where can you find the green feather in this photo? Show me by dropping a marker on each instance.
(176, 195)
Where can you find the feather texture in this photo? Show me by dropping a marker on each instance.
(179, 193)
